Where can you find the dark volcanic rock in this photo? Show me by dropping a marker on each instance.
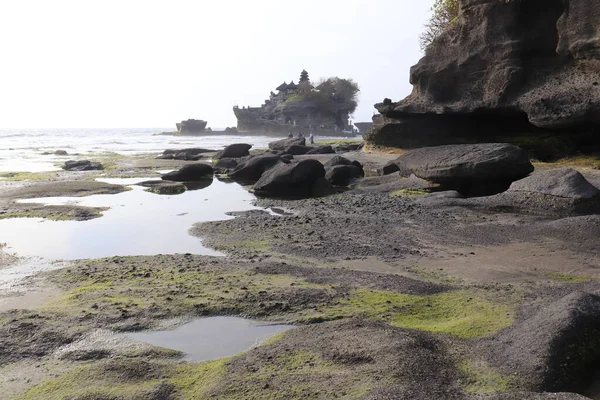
(225, 165)
(234, 151)
(562, 182)
(388, 168)
(192, 154)
(281, 145)
(322, 150)
(252, 169)
(164, 187)
(342, 148)
(337, 160)
(502, 66)
(342, 175)
(191, 172)
(556, 350)
(191, 126)
(292, 180)
(458, 166)
(297, 150)
(61, 153)
(82, 165)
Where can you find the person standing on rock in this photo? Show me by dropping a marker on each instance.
(291, 135)
(311, 139)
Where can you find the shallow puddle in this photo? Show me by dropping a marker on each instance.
(137, 223)
(211, 338)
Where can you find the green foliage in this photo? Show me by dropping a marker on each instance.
(567, 278)
(443, 13)
(338, 95)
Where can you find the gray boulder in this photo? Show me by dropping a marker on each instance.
(337, 160)
(388, 169)
(191, 172)
(303, 179)
(322, 150)
(191, 154)
(225, 165)
(236, 150)
(281, 145)
(472, 169)
(552, 350)
(82, 165)
(297, 150)
(342, 175)
(252, 169)
(61, 153)
(562, 182)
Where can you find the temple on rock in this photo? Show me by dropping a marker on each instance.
(294, 107)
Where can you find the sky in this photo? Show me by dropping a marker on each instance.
(130, 63)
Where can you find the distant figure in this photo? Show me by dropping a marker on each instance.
(311, 139)
(300, 134)
(291, 135)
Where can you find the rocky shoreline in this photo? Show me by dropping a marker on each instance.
(397, 290)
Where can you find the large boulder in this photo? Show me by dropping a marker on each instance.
(301, 179)
(562, 182)
(225, 165)
(191, 172)
(465, 166)
(322, 150)
(556, 349)
(252, 169)
(82, 165)
(502, 67)
(236, 150)
(192, 154)
(191, 126)
(297, 150)
(281, 145)
(343, 175)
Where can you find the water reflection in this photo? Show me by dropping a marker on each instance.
(137, 223)
(211, 338)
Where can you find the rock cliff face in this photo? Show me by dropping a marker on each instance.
(191, 126)
(503, 67)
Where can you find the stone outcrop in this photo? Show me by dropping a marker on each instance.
(82, 165)
(252, 169)
(190, 172)
(503, 68)
(466, 163)
(191, 154)
(163, 187)
(236, 150)
(281, 145)
(298, 180)
(191, 126)
(562, 182)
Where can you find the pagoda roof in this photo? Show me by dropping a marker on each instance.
(292, 85)
(283, 86)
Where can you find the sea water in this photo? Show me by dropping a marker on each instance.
(22, 149)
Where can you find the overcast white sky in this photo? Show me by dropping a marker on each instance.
(145, 63)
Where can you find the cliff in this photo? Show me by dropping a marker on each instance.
(502, 68)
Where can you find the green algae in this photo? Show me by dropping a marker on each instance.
(456, 313)
(91, 381)
(109, 288)
(568, 278)
(27, 176)
(482, 379)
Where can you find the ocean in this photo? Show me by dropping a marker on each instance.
(21, 150)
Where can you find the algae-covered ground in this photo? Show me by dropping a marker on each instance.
(391, 299)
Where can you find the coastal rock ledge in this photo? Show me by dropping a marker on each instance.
(503, 68)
